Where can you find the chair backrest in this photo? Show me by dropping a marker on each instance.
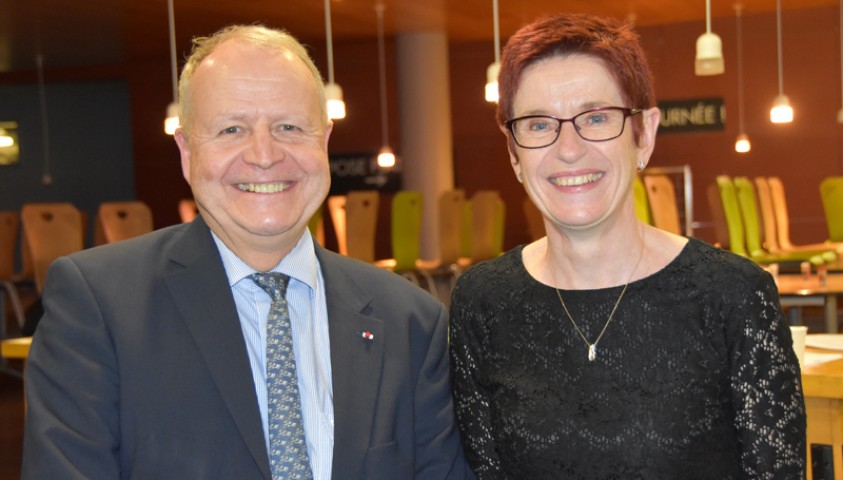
(466, 229)
(831, 192)
(642, 204)
(187, 210)
(406, 215)
(732, 212)
(336, 208)
(718, 217)
(768, 215)
(123, 220)
(9, 229)
(780, 211)
(663, 206)
(451, 206)
(487, 225)
(51, 230)
(361, 213)
(749, 212)
(535, 219)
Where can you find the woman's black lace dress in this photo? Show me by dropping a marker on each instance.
(694, 378)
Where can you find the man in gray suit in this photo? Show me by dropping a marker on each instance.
(149, 362)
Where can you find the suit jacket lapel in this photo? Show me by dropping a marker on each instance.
(201, 292)
(356, 361)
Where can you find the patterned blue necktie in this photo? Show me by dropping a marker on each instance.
(287, 448)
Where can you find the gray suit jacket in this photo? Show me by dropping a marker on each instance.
(138, 370)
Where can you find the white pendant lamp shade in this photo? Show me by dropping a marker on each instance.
(709, 60)
(742, 144)
(386, 158)
(781, 112)
(171, 123)
(709, 55)
(336, 105)
(492, 82)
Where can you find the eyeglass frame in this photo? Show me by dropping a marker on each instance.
(627, 112)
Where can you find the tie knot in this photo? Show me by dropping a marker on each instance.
(273, 283)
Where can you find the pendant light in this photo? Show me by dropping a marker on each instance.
(494, 68)
(333, 92)
(781, 112)
(840, 112)
(742, 144)
(386, 159)
(709, 49)
(171, 123)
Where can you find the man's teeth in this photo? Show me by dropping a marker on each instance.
(576, 181)
(262, 187)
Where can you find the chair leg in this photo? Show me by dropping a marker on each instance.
(14, 299)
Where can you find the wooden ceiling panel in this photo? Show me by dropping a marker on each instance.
(105, 32)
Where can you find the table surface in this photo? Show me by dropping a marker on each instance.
(796, 284)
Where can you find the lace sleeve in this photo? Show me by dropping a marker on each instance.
(469, 342)
(766, 387)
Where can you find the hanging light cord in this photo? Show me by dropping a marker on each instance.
(707, 16)
(45, 124)
(779, 39)
(382, 71)
(841, 50)
(497, 30)
(173, 67)
(329, 46)
(738, 8)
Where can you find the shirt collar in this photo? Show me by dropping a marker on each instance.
(300, 263)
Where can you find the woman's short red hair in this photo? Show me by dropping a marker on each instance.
(611, 41)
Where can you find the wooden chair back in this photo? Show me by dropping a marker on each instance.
(52, 230)
(123, 220)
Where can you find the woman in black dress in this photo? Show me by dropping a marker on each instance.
(610, 349)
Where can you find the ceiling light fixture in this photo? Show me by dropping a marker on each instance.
(709, 49)
(742, 144)
(781, 112)
(386, 158)
(171, 122)
(494, 68)
(333, 92)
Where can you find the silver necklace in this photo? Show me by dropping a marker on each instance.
(592, 346)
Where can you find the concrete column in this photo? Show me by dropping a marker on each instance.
(426, 134)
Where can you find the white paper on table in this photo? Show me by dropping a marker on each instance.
(815, 358)
(825, 341)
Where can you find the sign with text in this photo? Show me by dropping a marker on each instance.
(360, 171)
(698, 115)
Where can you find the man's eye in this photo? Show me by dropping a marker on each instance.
(230, 130)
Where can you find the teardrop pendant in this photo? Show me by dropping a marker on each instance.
(592, 352)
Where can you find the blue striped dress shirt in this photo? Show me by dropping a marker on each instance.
(309, 318)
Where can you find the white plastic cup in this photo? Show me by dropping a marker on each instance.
(798, 333)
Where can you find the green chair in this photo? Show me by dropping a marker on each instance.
(831, 191)
(746, 199)
(405, 234)
(642, 204)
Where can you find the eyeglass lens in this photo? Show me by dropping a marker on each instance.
(537, 131)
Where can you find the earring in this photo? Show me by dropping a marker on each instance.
(640, 165)
(518, 176)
